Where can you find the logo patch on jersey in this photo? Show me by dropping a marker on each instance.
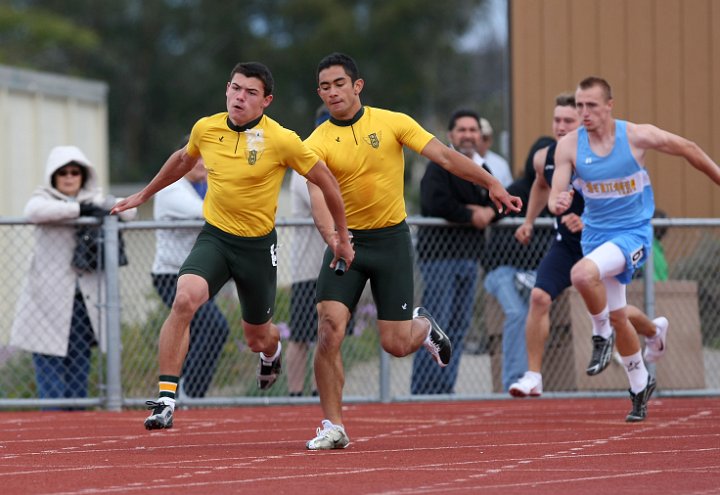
(221, 138)
(617, 187)
(255, 139)
(373, 139)
(253, 156)
(588, 161)
(337, 139)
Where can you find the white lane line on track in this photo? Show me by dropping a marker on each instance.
(576, 453)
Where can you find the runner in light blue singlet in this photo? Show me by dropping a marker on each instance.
(619, 201)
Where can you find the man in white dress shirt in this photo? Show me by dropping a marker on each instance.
(497, 164)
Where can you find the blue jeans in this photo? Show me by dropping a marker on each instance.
(500, 282)
(449, 293)
(208, 332)
(66, 377)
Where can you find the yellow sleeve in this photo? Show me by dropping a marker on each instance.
(315, 143)
(298, 155)
(412, 134)
(193, 148)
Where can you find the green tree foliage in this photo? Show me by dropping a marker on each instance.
(38, 39)
(167, 61)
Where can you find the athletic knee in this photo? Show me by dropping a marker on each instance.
(540, 300)
(619, 320)
(331, 332)
(402, 338)
(584, 274)
(393, 346)
(185, 303)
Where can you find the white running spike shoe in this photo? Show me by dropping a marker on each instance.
(528, 385)
(655, 346)
(329, 437)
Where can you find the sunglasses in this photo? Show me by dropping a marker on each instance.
(73, 172)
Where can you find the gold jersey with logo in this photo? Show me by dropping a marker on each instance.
(246, 166)
(366, 156)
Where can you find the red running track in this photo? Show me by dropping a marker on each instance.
(539, 446)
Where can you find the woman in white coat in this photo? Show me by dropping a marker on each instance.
(57, 316)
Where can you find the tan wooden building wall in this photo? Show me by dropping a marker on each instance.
(662, 59)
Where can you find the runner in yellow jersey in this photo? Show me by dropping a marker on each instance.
(363, 147)
(246, 154)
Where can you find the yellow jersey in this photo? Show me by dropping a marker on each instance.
(246, 166)
(366, 156)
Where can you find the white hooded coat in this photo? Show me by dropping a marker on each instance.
(44, 308)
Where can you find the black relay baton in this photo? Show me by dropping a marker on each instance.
(340, 267)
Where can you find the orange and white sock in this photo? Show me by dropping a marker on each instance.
(167, 385)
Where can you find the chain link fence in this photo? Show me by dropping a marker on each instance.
(123, 366)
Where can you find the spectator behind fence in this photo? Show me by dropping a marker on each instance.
(510, 273)
(57, 313)
(498, 165)
(448, 258)
(183, 200)
(307, 253)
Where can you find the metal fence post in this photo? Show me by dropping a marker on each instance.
(112, 312)
(650, 285)
(384, 376)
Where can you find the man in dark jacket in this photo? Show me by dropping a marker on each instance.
(448, 257)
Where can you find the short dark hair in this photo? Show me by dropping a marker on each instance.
(257, 70)
(458, 114)
(591, 81)
(346, 61)
(565, 100)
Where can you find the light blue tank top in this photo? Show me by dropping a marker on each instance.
(617, 190)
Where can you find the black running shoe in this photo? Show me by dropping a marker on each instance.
(639, 402)
(161, 416)
(267, 373)
(601, 354)
(438, 345)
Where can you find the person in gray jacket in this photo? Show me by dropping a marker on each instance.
(57, 314)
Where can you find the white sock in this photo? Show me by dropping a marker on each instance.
(636, 372)
(601, 323)
(274, 356)
(327, 424)
(168, 402)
